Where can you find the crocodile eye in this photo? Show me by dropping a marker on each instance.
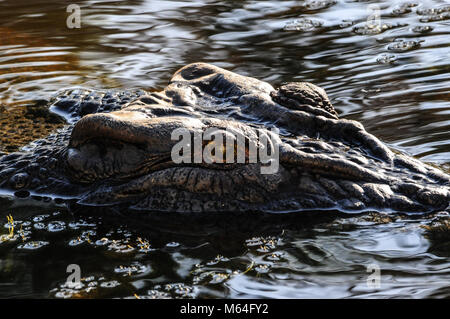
(216, 152)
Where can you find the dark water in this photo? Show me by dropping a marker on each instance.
(392, 76)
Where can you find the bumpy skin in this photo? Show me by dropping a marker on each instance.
(118, 153)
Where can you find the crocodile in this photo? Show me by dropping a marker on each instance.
(117, 150)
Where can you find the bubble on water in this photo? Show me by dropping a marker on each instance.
(88, 279)
(80, 224)
(319, 4)
(386, 58)
(172, 244)
(86, 288)
(8, 238)
(436, 17)
(110, 284)
(402, 46)
(422, 29)
(255, 241)
(179, 290)
(65, 294)
(263, 244)
(155, 294)
(56, 226)
(302, 25)
(92, 284)
(276, 256)
(40, 218)
(39, 226)
(404, 8)
(102, 242)
(144, 245)
(371, 29)
(262, 269)
(119, 246)
(211, 276)
(218, 278)
(133, 269)
(433, 11)
(218, 259)
(263, 249)
(33, 245)
(346, 23)
(76, 241)
(434, 14)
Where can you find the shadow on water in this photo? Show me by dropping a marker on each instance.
(223, 229)
(170, 255)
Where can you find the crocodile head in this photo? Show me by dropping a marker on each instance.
(214, 140)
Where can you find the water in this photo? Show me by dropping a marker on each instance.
(392, 76)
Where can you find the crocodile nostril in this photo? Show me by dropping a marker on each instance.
(196, 70)
(19, 180)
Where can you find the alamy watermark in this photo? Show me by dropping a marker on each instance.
(74, 279)
(374, 279)
(374, 19)
(73, 21)
(225, 146)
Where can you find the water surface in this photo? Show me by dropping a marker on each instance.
(391, 74)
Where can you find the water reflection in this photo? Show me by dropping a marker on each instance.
(237, 255)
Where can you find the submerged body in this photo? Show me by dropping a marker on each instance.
(119, 152)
